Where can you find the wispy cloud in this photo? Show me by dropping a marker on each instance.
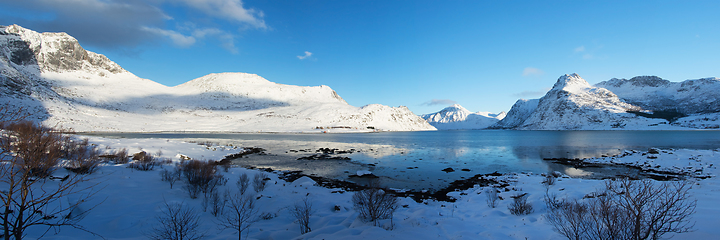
(531, 94)
(435, 102)
(531, 71)
(307, 55)
(589, 53)
(231, 10)
(129, 23)
(177, 38)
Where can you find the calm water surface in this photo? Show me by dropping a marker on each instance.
(416, 158)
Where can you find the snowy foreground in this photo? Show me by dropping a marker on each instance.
(131, 199)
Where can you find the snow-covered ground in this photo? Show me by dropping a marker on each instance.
(130, 199)
(52, 77)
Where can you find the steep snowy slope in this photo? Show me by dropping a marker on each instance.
(517, 115)
(654, 93)
(572, 104)
(457, 117)
(52, 76)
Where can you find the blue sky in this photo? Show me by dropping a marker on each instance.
(424, 55)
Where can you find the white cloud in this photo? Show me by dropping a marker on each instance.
(307, 54)
(229, 9)
(227, 40)
(531, 71)
(531, 94)
(439, 102)
(118, 24)
(580, 49)
(177, 38)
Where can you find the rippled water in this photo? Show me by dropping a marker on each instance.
(415, 159)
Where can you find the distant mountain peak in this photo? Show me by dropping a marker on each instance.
(458, 117)
(570, 81)
(63, 85)
(53, 52)
(455, 108)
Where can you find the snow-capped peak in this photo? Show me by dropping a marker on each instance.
(54, 52)
(51, 75)
(571, 83)
(458, 117)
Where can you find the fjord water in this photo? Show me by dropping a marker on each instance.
(414, 160)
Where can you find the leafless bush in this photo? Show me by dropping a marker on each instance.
(654, 210)
(627, 210)
(143, 161)
(121, 156)
(492, 197)
(259, 182)
(570, 219)
(267, 216)
(39, 148)
(28, 154)
(551, 201)
(240, 214)
(83, 156)
(549, 180)
(375, 204)
(218, 202)
(177, 222)
(10, 115)
(171, 176)
(193, 190)
(243, 183)
(302, 211)
(201, 176)
(520, 206)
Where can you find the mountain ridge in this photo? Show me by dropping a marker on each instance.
(640, 104)
(65, 85)
(456, 117)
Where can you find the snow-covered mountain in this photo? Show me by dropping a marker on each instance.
(520, 111)
(62, 84)
(457, 117)
(573, 104)
(657, 94)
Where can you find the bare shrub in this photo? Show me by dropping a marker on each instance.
(627, 209)
(121, 156)
(171, 176)
(83, 156)
(177, 222)
(30, 153)
(240, 214)
(570, 219)
(302, 211)
(143, 161)
(375, 204)
(243, 182)
(520, 206)
(193, 190)
(654, 210)
(10, 114)
(259, 182)
(218, 202)
(201, 176)
(38, 148)
(549, 180)
(491, 197)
